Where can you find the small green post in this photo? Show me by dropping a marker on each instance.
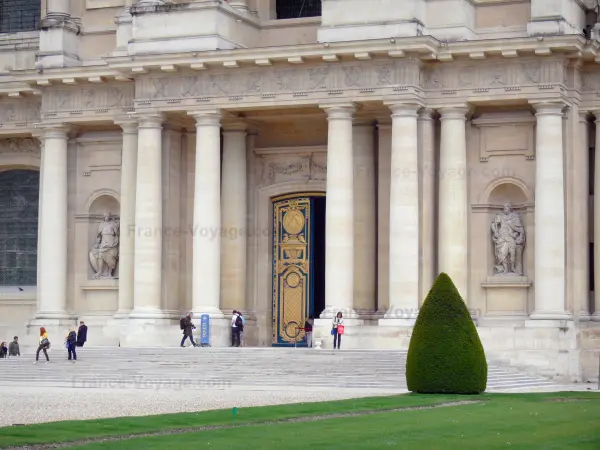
(234, 411)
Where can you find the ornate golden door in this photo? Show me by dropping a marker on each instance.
(291, 267)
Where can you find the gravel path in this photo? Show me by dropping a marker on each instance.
(26, 405)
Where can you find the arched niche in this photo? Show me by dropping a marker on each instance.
(507, 190)
(103, 228)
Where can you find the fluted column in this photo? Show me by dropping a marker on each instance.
(206, 266)
(234, 212)
(148, 219)
(426, 125)
(404, 214)
(596, 314)
(58, 7)
(127, 219)
(52, 246)
(453, 208)
(339, 214)
(549, 214)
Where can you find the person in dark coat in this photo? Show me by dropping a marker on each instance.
(81, 334)
(188, 326)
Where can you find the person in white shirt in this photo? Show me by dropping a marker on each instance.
(233, 327)
(337, 320)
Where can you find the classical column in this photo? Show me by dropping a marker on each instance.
(384, 161)
(206, 266)
(339, 214)
(426, 126)
(239, 4)
(404, 214)
(148, 228)
(52, 248)
(596, 314)
(127, 219)
(453, 239)
(580, 198)
(58, 8)
(549, 214)
(365, 217)
(234, 214)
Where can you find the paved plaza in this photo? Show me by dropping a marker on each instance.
(109, 382)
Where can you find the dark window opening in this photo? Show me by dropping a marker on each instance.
(19, 15)
(295, 9)
(592, 169)
(591, 265)
(19, 193)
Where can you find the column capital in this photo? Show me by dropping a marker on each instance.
(404, 109)
(154, 120)
(584, 115)
(56, 131)
(129, 126)
(596, 115)
(548, 108)
(235, 126)
(207, 117)
(453, 112)
(344, 111)
(426, 114)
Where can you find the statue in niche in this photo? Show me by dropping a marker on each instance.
(105, 252)
(508, 236)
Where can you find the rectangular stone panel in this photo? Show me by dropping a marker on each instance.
(279, 80)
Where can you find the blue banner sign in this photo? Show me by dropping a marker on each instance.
(205, 329)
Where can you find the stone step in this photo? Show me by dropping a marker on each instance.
(220, 368)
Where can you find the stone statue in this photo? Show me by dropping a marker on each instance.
(105, 252)
(508, 236)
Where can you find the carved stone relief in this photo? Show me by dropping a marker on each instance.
(105, 251)
(508, 238)
(24, 112)
(20, 145)
(494, 75)
(98, 98)
(274, 169)
(324, 77)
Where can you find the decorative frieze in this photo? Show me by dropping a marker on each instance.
(501, 74)
(19, 113)
(262, 82)
(88, 99)
(20, 146)
(274, 169)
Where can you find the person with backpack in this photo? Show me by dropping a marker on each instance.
(71, 344)
(185, 324)
(242, 329)
(237, 325)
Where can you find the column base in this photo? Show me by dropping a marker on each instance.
(397, 322)
(54, 316)
(149, 314)
(551, 315)
(213, 313)
(595, 317)
(347, 313)
(122, 314)
(402, 313)
(584, 316)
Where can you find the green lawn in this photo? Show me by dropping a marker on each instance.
(527, 421)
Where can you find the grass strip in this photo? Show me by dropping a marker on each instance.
(76, 430)
(501, 422)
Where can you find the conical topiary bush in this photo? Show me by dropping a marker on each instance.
(445, 355)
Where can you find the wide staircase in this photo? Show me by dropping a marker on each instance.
(223, 368)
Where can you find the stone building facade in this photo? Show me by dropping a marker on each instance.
(299, 158)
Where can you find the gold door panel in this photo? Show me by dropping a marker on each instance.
(291, 268)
